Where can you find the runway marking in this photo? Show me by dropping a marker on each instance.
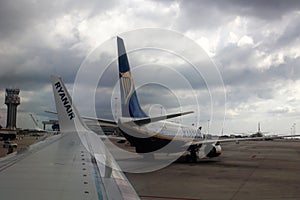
(164, 197)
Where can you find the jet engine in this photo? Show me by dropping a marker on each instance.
(213, 150)
(205, 151)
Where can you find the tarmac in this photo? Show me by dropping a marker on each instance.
(248, 170)
(23, 141)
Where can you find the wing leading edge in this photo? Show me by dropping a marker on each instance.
(212, 141)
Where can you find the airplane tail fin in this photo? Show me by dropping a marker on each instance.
(70, 120)
(129, 101)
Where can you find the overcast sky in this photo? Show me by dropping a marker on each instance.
(255, 45)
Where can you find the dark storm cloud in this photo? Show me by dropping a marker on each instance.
(27, 54)
(31, 49)
(265, 9)
(17, 16)
(39, 38)
(209, 14)
(248, 85)
(256, 77)
(200, 14)
(33, 68)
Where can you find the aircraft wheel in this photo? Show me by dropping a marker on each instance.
(188, 158)
(193, 156)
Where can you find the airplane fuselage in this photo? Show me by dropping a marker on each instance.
(151, 138)
(166, 137)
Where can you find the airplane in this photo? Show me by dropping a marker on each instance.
(72, 165)
(168, 136)
(259, 133)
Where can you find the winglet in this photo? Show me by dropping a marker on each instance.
(69, 119)
(113, 181)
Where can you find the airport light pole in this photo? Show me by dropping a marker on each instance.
(294, 129)
(116, 98)
(208, 127)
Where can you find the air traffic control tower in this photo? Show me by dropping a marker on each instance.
(12, 100)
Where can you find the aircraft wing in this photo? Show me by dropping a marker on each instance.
(72, 165)
(212, 141)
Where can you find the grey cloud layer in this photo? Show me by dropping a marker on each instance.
(51, 37)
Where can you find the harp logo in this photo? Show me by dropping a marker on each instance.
(127, 85)
(65, 101)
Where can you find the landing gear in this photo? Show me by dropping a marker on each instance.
(192, 157)
(188, 158)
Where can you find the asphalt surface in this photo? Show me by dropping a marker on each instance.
(249, 170)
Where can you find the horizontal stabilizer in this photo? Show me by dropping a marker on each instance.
(147, 120)
(102, 122)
